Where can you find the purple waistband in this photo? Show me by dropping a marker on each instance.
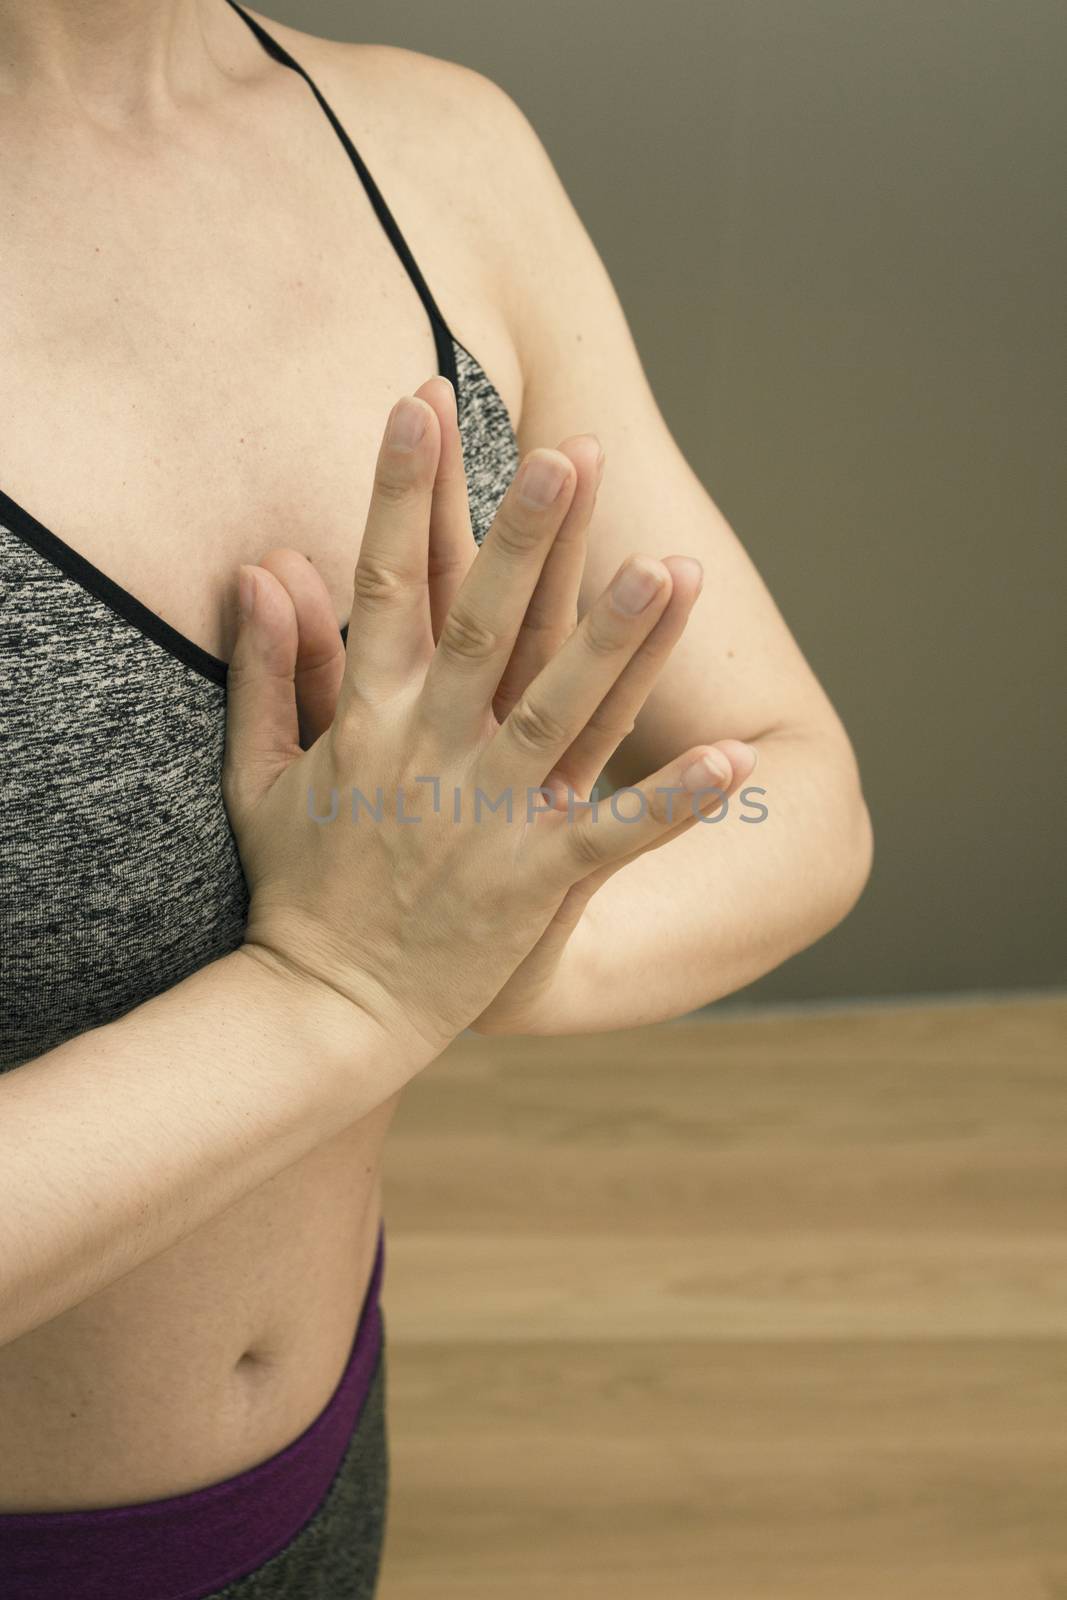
(191, 1544)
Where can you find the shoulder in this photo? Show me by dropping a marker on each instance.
(453, 137)
(447, 118)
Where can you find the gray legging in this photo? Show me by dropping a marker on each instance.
(337, 1554)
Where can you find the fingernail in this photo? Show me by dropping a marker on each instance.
(246, 593)
(542, 481)
(408, 424)
(635, 587)
(708, 772)
(696, 567)
(751, 748)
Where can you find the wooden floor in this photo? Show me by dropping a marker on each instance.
(767, 1308)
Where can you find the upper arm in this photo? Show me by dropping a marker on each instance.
(737, 671)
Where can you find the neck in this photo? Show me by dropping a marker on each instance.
(117, 63)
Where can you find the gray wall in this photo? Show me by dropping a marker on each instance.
(838, 230)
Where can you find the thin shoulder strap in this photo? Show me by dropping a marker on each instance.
(441, 331)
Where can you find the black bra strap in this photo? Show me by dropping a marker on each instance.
(441, 331)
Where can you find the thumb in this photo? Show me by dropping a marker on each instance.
(741, 758)
(262, 732)
(320, 654)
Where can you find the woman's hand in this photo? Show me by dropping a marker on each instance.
(533, 994)
(434, 876)
(547, 984)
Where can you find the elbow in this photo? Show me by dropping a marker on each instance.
(861, 855)
(852, 847)
(839, 849)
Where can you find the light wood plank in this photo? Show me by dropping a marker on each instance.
(737, 1309)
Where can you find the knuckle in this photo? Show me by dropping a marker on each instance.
(516, 535)
(534, 728)
(447, 566)
(667, 805)
(600, 635)
(376, 583)
(394, 488)
(603, 727)
(585, 846)
(464, 638)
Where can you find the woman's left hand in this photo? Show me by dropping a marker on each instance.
(546, 987)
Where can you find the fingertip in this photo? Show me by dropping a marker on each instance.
(688, 569)
(269, 628)
(741, 756)
(438, 388)
(707, 768)
(641, 582)
(282, 553)
(412, 426)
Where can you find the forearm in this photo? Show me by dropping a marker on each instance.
(721, 904)
(121, 1141)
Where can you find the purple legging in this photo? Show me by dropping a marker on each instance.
(190, 1545)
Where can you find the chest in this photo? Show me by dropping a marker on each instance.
(182, 393)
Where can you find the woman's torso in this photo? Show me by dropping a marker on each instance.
(200, 345)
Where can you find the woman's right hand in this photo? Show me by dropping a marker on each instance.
(418, 901)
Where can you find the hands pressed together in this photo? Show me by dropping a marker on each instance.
(410, 810)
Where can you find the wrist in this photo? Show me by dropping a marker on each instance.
(366, 1058)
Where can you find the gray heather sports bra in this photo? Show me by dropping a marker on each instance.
(119, 871)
